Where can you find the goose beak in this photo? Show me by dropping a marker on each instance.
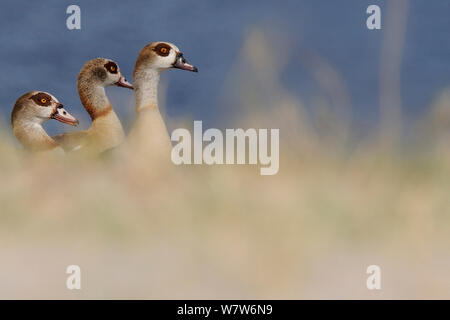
(124, 83)
(63, 116)
(181, 63)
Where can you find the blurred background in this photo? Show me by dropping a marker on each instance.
(364, 119)
(317, 47)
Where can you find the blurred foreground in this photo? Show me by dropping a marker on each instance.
(227, 232)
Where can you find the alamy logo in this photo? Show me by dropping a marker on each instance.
(373, 22)
(374, 280)
(233, 152)
(74, 20)
(74, 280)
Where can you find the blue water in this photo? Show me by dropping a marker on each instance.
(38, 52)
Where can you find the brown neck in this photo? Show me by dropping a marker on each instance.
(106, 131)
(93, 97)
(96, 113)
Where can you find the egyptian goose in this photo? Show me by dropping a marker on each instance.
(149, 133)
(106, 129)
(30, 111)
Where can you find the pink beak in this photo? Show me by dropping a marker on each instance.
(181, 63)
(63, 116)
(124, 83)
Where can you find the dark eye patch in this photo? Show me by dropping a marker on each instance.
(162, 49)
(42, 99)
(111, 67)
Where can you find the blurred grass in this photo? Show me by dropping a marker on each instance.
(336, 206)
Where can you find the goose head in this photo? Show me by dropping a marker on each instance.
(36, 107)
(103, 72)
(162, 56)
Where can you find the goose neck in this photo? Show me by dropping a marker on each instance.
(32, 135)
(146, 89)
(94, 99)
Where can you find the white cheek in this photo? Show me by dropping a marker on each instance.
(170, 59)
(46, 111)
(112, 78)
(165, 62)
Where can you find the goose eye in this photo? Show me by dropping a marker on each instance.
(111, 67)
(41, 99)
(162, 49)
